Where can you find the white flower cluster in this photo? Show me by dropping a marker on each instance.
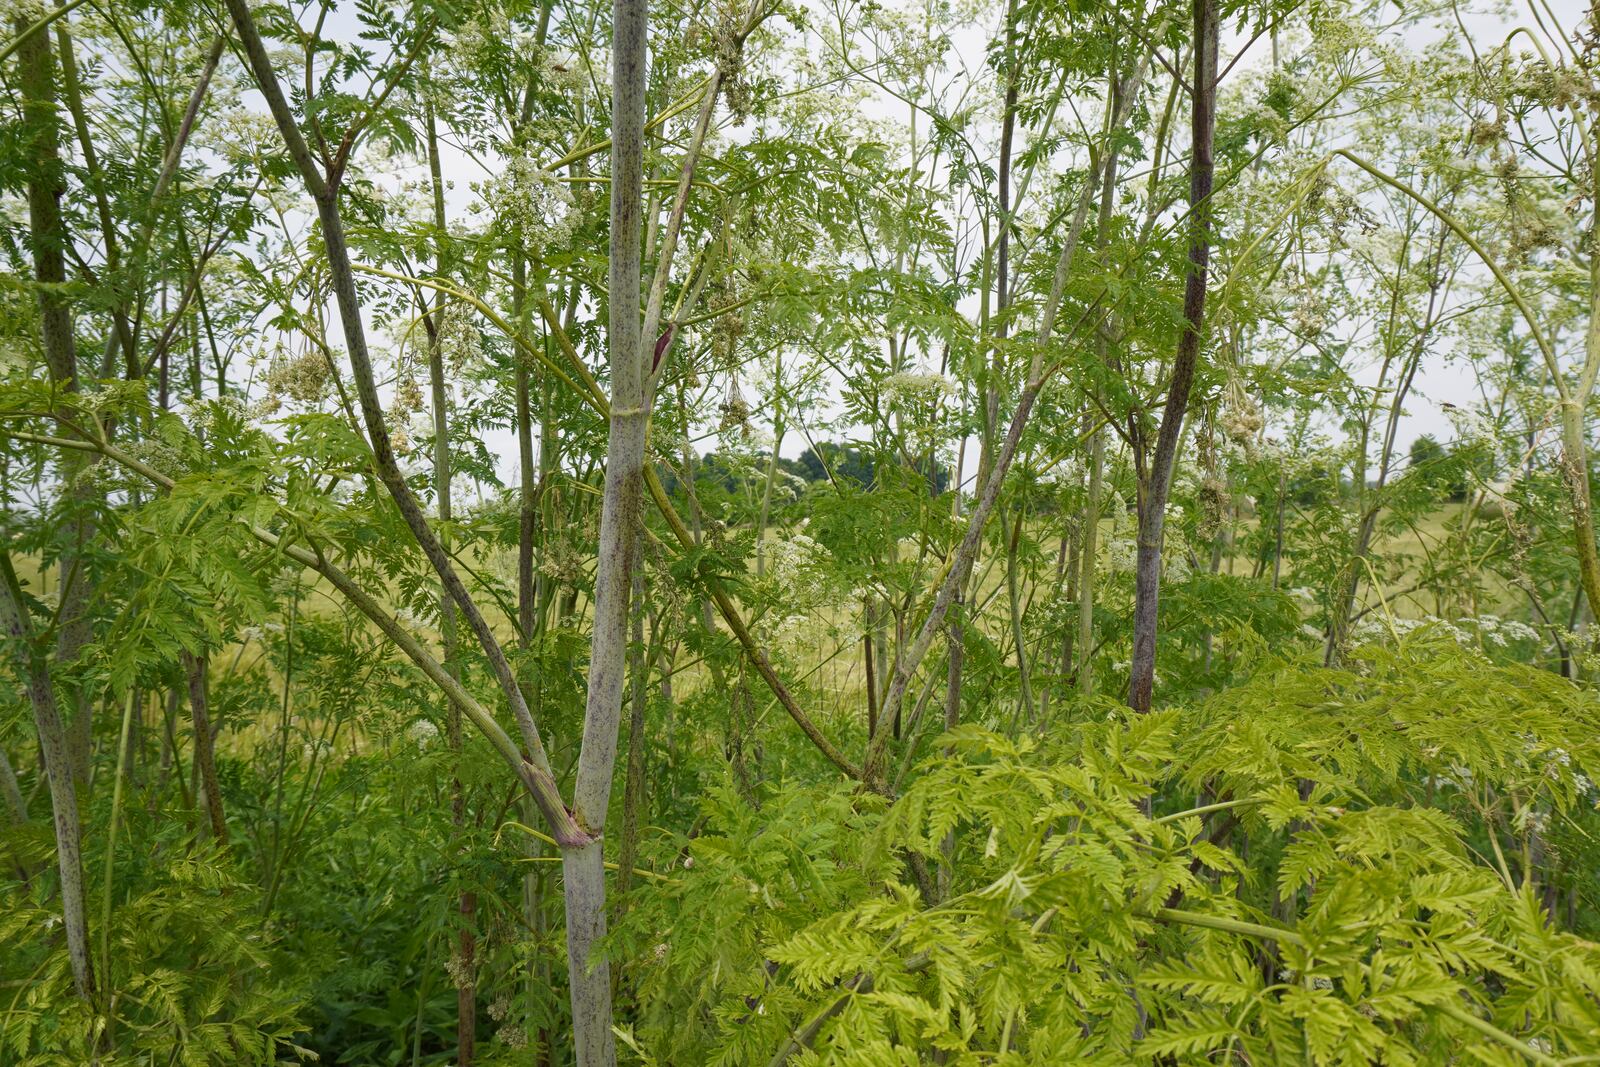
(1557, 762)
(257, 633)
(563, 73)
(302, 379)
(788, 486)
(1066, 472)
(1560, 759)
(243, 136)
(1481, 631)
(476, 40)
(1176, 569)
(406, 617)
(461, 972)
(1502, 632)
(1473, 425)
(1335, 38)
(535, 202)
(1121, 554)
(807, 599)
(910, 386)
(205, 417)
(795, 567)
(422, 733)
(459, 340)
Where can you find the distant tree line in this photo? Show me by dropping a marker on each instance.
(825, 461)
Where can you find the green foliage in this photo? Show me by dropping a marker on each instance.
(201, 980)
(1360, 826)
(1370, 921)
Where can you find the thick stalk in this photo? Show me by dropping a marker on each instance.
(48, 240)
(584, 865)
(1574, 439)
(34, 673)
(1156, 484)
(47, 232)
(527, 494)
(194, 669)
(584, 891)
(633, 798)
(1008, 129)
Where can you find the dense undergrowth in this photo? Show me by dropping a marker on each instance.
(1332, 866)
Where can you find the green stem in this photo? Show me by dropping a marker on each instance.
(1207, 809)
(44, 23)
(1227, 925)
(111, 845)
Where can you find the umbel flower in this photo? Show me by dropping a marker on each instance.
(912, 385)
(1487, 631)
(807, 600)
(532, 201)
(301, 379)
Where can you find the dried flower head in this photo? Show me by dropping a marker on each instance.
(303, 379)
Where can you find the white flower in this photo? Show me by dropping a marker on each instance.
(242, 135)
(1067, 472)
(806, 596)
(564, 73)
(1176, 569)
(1481, 631)
(911, 386)
(476, 39)
(1121, 553)
(525, 197)
(422, 733)
(1472, 425)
